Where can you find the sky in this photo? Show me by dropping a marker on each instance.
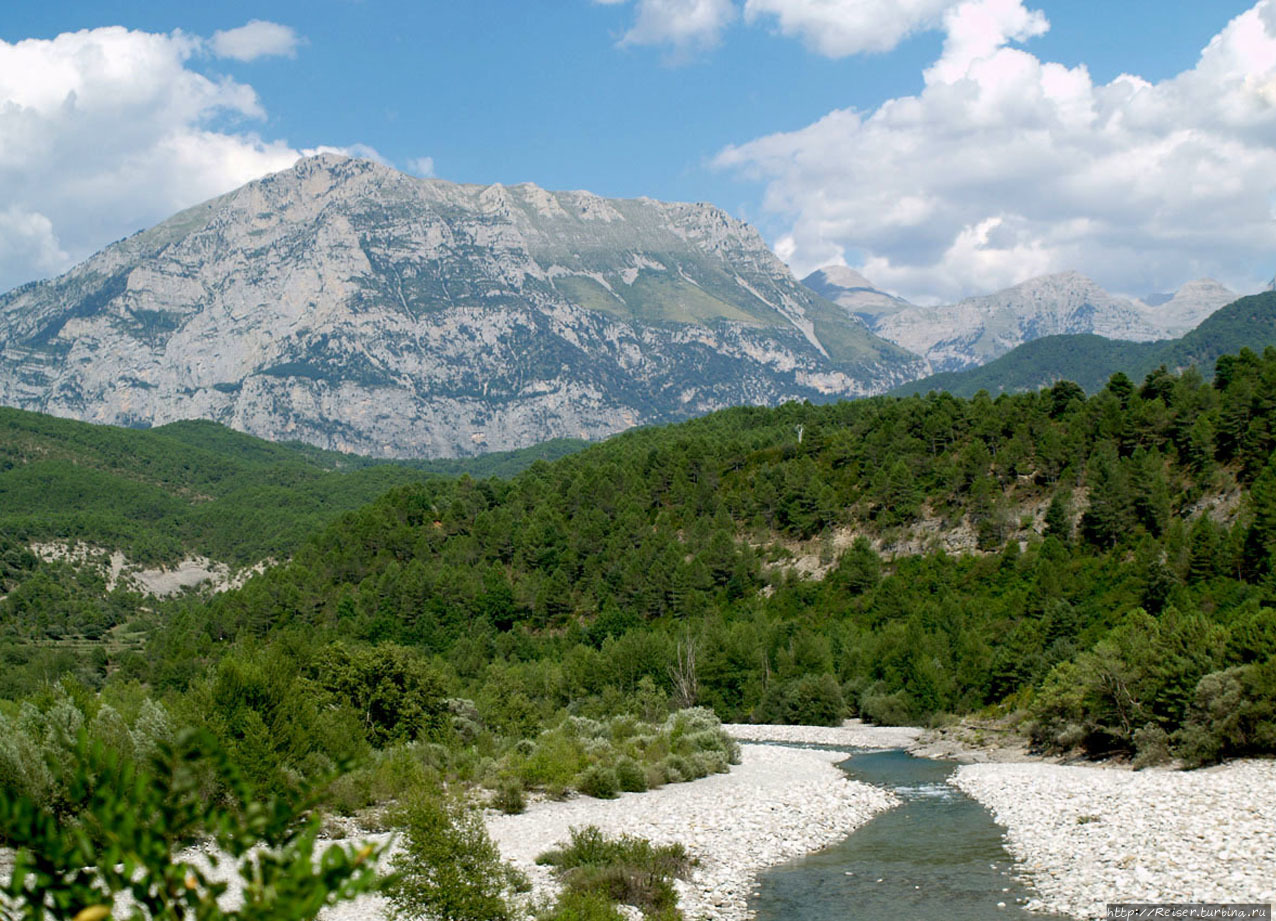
(942, 147)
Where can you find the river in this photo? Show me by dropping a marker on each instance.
(938, 855)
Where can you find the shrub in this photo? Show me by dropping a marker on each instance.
(599, 782)
(692, 720)
(1151, 746)
(676, 769)
(886, 709)
(449, 867)
(1233, 713)
(130, 820)
(630, 776)
(509, 797)
(575, 905)
(554, 763)
(625, 869)
(707, 763)
(812, 700)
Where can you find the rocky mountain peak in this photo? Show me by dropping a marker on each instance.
(1187, 308)
(839, 276)
(1070, 286)
(849, 289)
(344, 303)
(978, 329)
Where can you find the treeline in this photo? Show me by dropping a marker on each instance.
(1118, 589)
(653, 558)
(194, 487)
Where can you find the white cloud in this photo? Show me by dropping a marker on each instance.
(359, 151)
(836, 28)
(422, 166)
(256, 39)
(1006, 166)
(28, 242)
(106, 131)
(685, 24)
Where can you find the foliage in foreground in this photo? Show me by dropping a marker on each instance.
(126, 820)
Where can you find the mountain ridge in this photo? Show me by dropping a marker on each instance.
(351, 306)
(1089, 360)
(979, 329)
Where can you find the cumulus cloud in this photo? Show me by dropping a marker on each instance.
(684, 24)
(836, 28)
(1006, 166)
(422, 166)
(27, 241)
(256, 39)
(106, 131)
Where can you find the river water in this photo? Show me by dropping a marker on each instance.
(938, 855)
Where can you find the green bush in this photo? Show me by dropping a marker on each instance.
(893, 709)
(510, 797)
(811, 700)
(449, 867)
(711, 762)
(1233, 714)
(575, 905)
(1151, 746)
(625, 869)
(676, 769)
(599, 782)
(630, 776)
(554, 763)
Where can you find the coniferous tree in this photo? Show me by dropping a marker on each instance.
(1109, 517)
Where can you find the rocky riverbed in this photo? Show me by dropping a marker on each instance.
(851, 734)
(1085, 836)
(777, 804)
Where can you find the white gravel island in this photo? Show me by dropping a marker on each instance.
(1085, 836)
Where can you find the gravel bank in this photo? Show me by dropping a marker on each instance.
(779, 803)
(851, 734)
(1085, 836)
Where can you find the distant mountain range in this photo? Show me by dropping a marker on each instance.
(977, 330)
(1089, 360)
(357, 308)
(353, 307)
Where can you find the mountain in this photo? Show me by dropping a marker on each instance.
(1089, 360)
(851, 290)
(1185, 309)
(977, 330)
(354, 307)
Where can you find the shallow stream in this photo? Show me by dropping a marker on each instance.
(938, 855)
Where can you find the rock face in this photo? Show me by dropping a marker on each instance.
(851, 290)
(354, 307)
(1187, 308)
(978, 329)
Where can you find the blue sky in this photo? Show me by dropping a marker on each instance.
(724, 104)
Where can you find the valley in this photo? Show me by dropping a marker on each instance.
(902, 560)
(637, 460)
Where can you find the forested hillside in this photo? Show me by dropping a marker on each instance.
(1130, 530)
(1114, 584)
(192, 487)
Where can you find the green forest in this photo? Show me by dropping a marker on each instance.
(1102, 566)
